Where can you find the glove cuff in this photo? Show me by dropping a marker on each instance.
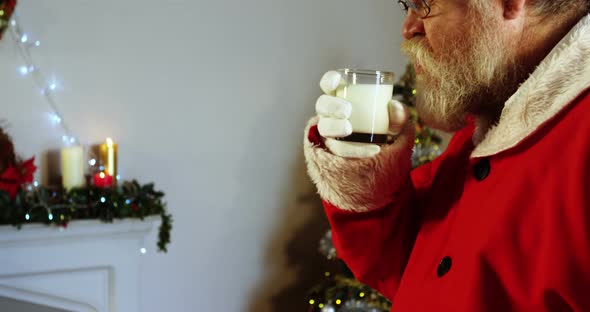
(358, 184)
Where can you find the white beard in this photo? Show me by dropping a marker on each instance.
(472, 77)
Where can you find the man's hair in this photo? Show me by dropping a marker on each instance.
(547, 7)
(557, 7)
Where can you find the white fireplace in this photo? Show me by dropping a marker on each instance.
(89, 266)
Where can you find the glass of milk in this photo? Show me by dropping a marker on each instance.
(369, 91)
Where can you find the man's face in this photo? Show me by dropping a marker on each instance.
(464, 62)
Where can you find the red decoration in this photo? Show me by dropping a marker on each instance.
(7, 8)
(13, 177)
(103, 180)
(315, 138)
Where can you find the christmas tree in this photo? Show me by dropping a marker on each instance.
(340, 291)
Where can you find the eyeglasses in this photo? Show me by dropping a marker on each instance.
(420, 7)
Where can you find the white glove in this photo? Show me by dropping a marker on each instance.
(333, 113)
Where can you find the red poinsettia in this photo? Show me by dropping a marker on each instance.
(14, 176)
(6, 8)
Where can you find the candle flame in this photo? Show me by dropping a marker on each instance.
(109, 142)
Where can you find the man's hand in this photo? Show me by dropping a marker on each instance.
(333, 122)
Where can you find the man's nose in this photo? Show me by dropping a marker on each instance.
(412, 26)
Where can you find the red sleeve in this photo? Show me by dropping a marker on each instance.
(376, 245)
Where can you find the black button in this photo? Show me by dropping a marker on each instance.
(444, 267)
(481, 170)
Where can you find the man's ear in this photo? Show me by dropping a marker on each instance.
(513, 8)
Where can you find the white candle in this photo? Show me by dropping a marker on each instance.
(72, 167)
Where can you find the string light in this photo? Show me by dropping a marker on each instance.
(55, 118)
(46, 87)
(143, 250)
(50, 216)
(27, 217)
(23, 70)
(311, 301)
(103, 200)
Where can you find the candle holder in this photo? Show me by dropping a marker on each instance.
(103, 180)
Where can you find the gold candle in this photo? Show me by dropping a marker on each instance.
(107, 155)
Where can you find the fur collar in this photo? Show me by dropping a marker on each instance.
(554, 84)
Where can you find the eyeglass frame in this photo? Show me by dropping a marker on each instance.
(405, 5)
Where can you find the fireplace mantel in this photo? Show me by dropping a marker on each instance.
(88, 266)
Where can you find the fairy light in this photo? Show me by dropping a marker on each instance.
(24, 70)
(47, 87)
(55, 118)
(143, 250)
(50, 217)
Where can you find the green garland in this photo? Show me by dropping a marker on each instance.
(341, 288)
(57, 206)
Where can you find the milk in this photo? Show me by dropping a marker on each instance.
(369, 107)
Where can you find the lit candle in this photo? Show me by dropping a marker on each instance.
(108, 156)
(72, 167)
(103, 180)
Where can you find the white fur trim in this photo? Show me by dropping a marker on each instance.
(555, 83)
(360, 184)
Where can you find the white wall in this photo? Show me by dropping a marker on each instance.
(208, 99)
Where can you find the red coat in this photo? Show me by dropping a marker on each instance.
(501, 226)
